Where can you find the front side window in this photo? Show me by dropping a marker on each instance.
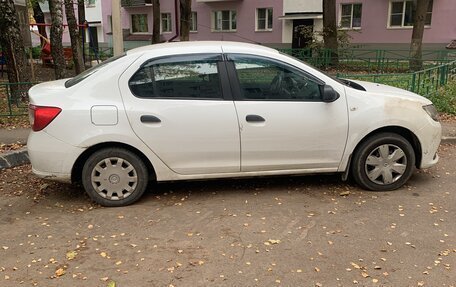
(263, 79)
(194, 22)
(264, 19)
(183, 77)
(166, 22)
(225, 20)
(139, 23)
(350, 16)
(402, 14)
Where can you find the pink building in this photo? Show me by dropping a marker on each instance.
(371, 23)
(269, 22)
(383, 23)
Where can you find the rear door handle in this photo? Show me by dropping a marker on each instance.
(149, 119)
(254, 119)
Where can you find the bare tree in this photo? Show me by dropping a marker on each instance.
(55, 6)
(185, 18)
(420, 10)
(330, 29)
(81, 21)
(18, 68)
(38, 15)
(74, 37)
(156, 21)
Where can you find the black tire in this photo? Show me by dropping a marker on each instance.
(121, 182)
(364, 172)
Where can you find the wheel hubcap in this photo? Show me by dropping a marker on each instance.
(114, 178)
(386, 164)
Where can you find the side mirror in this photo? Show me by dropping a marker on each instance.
(329, 95)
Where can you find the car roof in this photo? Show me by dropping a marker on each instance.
(226, 46)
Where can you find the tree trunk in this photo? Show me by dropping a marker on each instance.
(185, 15)
(330, 29)
(420, 9)
(18, 68)
(74, 37)
(156, 21)
(55, 6)
(38, 15)
(81, 21)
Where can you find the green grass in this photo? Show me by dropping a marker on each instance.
(445, 98)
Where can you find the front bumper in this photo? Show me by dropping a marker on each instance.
(430, 136)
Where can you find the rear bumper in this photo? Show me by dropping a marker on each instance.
(51, 158)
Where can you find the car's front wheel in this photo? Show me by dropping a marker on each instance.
(384, 161)
(114, 177)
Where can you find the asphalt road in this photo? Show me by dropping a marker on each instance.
(284, 231)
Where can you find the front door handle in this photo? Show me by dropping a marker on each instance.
(149, 119)
(254, 119)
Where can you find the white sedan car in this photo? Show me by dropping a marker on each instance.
(197, 110)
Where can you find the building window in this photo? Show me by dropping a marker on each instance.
(225, 20)
(139, 23)
(264, 19)
(166, 22)
(194, 22)
(90, 3)
(110, 23)
(402, 14)
(350, 16)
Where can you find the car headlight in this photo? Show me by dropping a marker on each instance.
(432, 112)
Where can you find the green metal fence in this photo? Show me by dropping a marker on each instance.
(14, 98)
(425, 82)
(371, 60)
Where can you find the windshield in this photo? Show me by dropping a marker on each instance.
(73, 81)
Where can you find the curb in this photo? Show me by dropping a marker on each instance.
(14, 158)
(20, 156)
(448, 140)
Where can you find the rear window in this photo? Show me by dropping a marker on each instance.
(73, 81)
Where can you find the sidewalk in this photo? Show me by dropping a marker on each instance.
(18, 157)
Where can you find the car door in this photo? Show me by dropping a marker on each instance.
(177, 107)
(284, 123)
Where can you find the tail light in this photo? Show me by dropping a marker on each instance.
(41, 117)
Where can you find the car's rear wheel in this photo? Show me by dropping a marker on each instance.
(383, 162)
(114, 177)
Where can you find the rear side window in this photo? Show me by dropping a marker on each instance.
(73, 81)
(178, 77)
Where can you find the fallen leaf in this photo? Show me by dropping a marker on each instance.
(344, 193)
(364, 274)
(111, 284)
(71, 255)
(59, 272)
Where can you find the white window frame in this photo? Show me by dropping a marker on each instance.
(351, 16)
(215, 18)
(266, 29)
(390, 9)
(194, 22)
(168, 23)
(131, 26)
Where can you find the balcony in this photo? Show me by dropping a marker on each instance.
(135, 3)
